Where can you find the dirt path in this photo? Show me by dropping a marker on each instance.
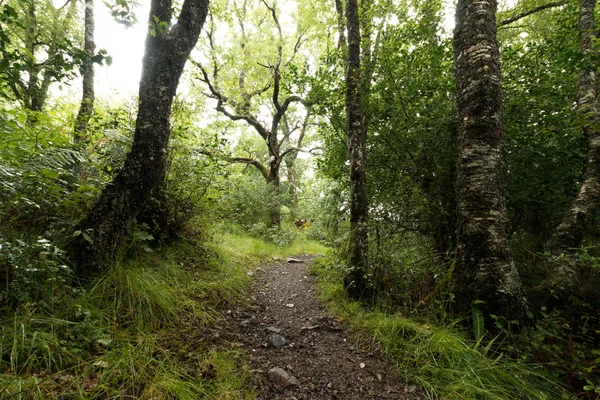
(302, 352)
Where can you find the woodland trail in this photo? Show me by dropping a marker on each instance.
(299, 351)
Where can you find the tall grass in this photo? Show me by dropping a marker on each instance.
(437, 359)
(139, 330)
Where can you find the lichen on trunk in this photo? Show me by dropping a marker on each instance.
(356, 282)
(484, 270)
(167, 49)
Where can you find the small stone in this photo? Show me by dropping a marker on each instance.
(275, 258)
(250, 273)
(294, 261)
(249, 322)
(280, 378)
(273, 329)
(277, 341)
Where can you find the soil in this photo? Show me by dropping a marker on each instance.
(286, 327)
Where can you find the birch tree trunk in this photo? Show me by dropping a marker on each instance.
(484, 270)
(356, 281)
(167, 49)
(569, 233)
(86, 107)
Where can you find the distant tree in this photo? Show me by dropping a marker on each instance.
(168, 46)
(86, 107)
(254, 89)
(38, 47)
(484, 270)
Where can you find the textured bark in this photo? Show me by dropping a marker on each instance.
(484, 270)
(86, 107)
(167, 49)
(356, 282)
(569, 233)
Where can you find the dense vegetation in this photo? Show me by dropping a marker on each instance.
(454, 179)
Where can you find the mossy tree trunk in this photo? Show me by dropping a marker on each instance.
(356, 282)
(167, 49)
(484, 270)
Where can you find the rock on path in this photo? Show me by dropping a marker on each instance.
(302, 352)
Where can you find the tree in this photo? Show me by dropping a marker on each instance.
(570, 232)
(168, 46)
(356, 280)
(242, 102)
(86, 107)
(484, 271)
(37, 48)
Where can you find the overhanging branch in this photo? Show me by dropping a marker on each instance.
(532, 11)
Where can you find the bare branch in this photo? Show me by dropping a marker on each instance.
(251, 161)
(222, 100)
(239, 160)
(532, 11)
(301, 39)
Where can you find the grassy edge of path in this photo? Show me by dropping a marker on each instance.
(144, 329)
(440, 360)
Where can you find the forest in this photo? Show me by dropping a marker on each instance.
(435, 164)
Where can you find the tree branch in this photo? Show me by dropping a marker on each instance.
(222, 100)
(251, 161)
(532, 11)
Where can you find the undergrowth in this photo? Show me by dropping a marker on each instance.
(438, 359)
(145, 329)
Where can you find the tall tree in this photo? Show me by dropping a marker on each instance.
(570, 232)
(356, 280)
(168, 46)
(485, 270)
(86, 107)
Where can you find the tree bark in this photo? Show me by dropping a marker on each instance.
(484, 270)
(356, 282)
(339, 7)
(167, 49)
(570, 232)
(86, 107)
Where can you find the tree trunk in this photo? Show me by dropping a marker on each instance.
(274, 182)
(339, 7)
(167, 49)
(484, 270)
(86, 108)
(568, 277)
(290, 164)
(569, 233)
(356, 281)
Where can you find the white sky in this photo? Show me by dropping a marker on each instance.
(126, 46)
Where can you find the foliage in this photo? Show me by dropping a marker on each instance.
(39, 46)
(43, 182)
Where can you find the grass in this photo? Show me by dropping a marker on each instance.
(253, 250)
(140, 330)
(437, 359)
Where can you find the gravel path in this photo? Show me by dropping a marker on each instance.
(301, 351)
